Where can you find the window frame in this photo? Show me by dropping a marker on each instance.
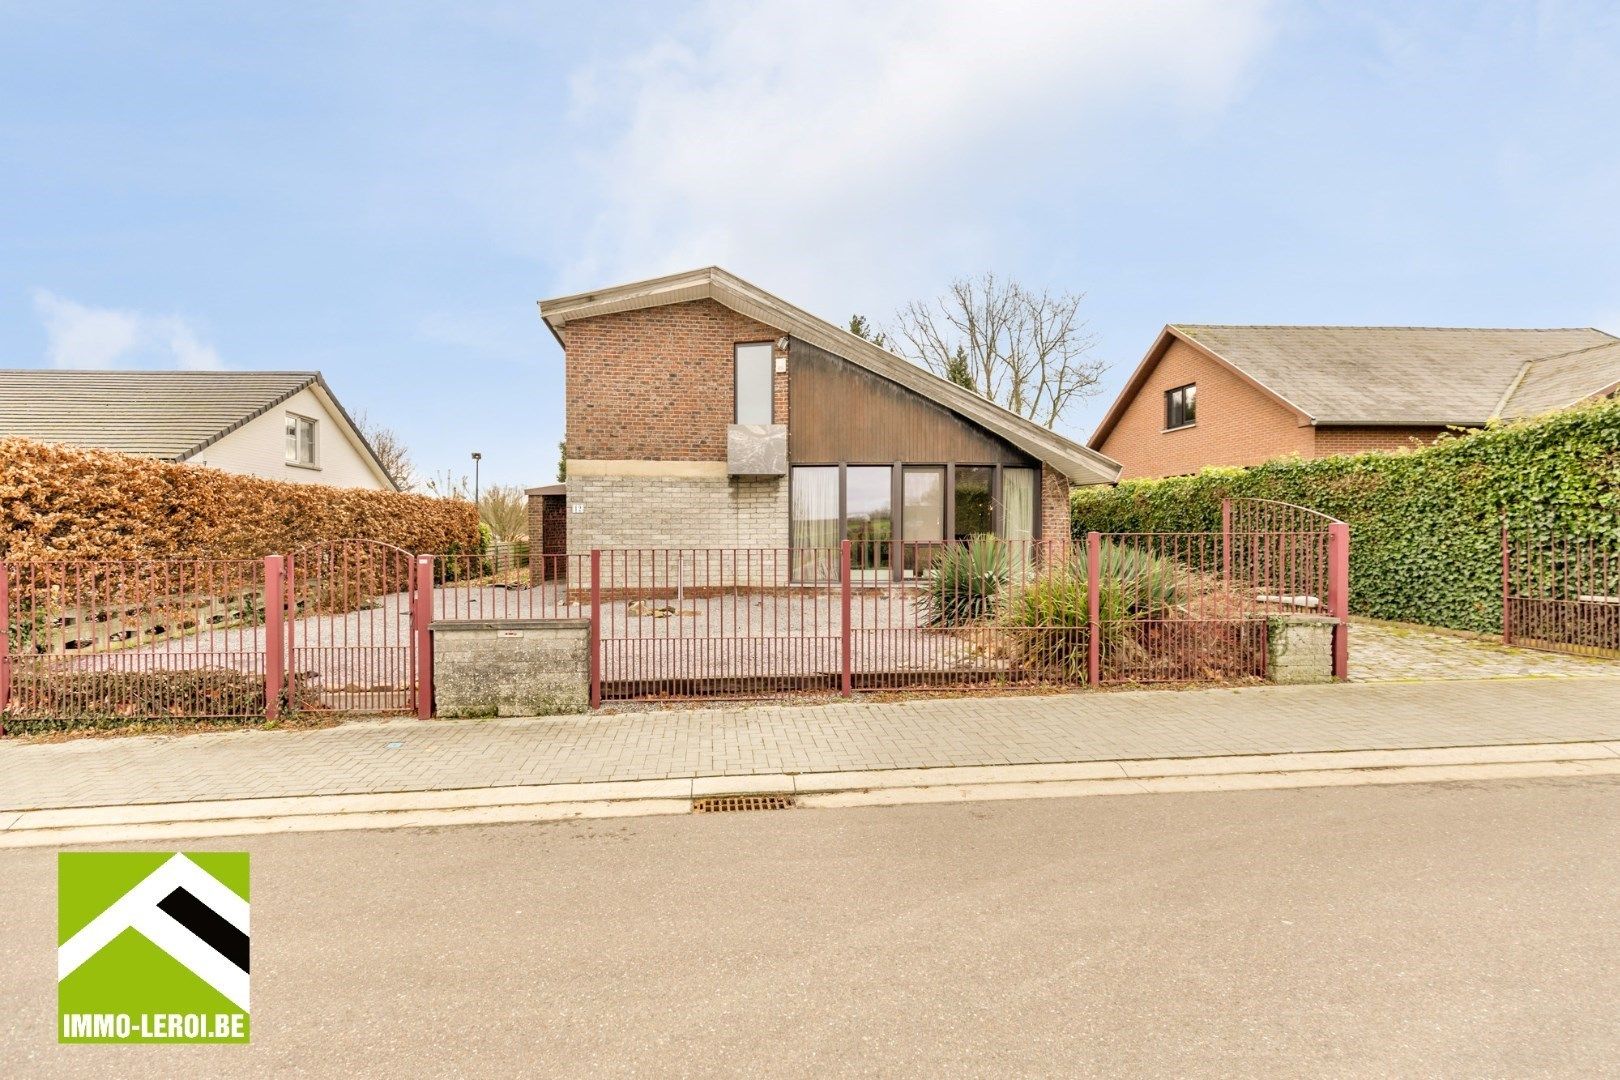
(1188, 403)
(736, 380)
(897, 510)
(293, 443)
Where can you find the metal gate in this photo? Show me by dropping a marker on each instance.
(352, 627)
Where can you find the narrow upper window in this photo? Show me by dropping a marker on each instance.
(1180, 406)
(755, 364)
(300, 440)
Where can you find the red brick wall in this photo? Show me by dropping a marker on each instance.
(657, 384)
(1354, 440)
(1054, 504)
(1237, 424)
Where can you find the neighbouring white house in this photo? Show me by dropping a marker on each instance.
(283, 425)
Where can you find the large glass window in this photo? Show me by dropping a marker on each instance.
(869, 515)
(815, 506)
(972, 498)
(1018, 504)
(756, 364)
(922, 514)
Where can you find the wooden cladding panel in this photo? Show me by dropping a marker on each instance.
(841, 412)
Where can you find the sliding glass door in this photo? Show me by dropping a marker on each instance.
(922, 515)
(869, 515)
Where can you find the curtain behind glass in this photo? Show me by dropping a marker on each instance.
(814, 531)
(1018, 504)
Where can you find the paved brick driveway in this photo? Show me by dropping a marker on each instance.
(1379, 651)
(409, 755)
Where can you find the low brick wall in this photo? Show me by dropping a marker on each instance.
(511, 667)
(1299, 648)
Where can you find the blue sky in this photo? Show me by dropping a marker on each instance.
(383, 190)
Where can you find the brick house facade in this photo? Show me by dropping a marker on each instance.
(1264, 392)
(656, 456)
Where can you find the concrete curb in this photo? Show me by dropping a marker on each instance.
(558, 802)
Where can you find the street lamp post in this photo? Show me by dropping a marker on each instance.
(477, 457)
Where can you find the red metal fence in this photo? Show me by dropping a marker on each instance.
(344, 626)
(892, 615)
(1561, 593)
(333, 627)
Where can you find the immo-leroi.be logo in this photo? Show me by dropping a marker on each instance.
(152, 946)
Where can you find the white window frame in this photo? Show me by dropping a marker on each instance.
(293, 448)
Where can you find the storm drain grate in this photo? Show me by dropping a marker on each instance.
(719, 804)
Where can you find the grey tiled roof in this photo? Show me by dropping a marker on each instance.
(163, 414)
(1418, 375)
(1559, 381)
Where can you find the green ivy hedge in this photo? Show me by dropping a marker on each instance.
(1424, 524)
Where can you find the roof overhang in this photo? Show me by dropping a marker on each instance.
(316, 384)
(1081, 464)
(1151, 359)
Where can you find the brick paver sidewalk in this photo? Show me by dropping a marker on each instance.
(409, 755)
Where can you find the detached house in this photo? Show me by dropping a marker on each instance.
(283, 425)
(704, 412)
(1239, 395)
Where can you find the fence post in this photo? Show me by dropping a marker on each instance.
(1339, 595)
(1225, 541)
(5, 643)
(846, 681)
(1093, 609)
(275, 641)
(422, 633)
(596, 628)
(1507, 587)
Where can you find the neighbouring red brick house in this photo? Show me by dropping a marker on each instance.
(705, 412)
(1239, 395)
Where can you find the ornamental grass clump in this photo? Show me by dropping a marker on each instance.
(965, 582)
(1048, 619)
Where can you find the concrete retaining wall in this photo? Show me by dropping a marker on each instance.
(511, 667)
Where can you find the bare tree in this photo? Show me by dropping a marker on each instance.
(447, 485)
(391, 451)
(505, 509)
(1026, 350)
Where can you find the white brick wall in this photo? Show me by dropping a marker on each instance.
(670, 511)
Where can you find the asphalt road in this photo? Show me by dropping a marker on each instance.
(1449, 930)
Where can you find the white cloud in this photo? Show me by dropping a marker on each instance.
(81, 336)
(846, 133)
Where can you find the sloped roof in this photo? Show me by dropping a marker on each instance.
(172, 415)
(1080, 464)
(1558, 382)
(1401, 374)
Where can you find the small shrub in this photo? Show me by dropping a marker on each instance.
(43, 699)
(1048, 619)
(1136, 583)
(964, 583)
(1049, 622)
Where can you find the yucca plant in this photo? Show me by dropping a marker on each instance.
(964, 583)
(1049, 618)
(1134, 582)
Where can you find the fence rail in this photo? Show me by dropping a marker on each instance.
(345, 626)
(1561, 593)
(897, 615)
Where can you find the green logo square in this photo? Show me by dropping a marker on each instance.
(152, 947)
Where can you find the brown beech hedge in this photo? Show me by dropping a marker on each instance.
(70, 502)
